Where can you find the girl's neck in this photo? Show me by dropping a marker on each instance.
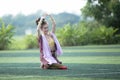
(46, 33)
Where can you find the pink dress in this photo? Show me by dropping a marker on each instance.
(46, 56)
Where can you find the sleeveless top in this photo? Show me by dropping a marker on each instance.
(51, 43)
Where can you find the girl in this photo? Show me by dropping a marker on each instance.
(49, 45)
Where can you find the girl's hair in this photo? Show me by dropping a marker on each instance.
(42, 23)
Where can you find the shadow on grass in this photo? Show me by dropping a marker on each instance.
(108, 71)
(66, 54)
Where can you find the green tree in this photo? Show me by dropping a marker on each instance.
(106, 12)
(6, 34)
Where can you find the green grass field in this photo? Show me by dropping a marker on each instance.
(84, 63)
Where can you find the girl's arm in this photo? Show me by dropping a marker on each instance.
(39, 27)
(53, 24)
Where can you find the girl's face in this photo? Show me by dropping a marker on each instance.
(45, 28)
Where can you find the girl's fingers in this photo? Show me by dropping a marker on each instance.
(45, 14)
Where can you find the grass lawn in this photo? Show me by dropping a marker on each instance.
(84, 63)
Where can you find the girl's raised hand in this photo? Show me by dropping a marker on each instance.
(45, 14)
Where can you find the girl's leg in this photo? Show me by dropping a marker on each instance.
(45, 66)
(57, 66)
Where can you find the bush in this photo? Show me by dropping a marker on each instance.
(66, 36)
(6, 34)
(102, 35)
(31, 41)
(84, 34)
